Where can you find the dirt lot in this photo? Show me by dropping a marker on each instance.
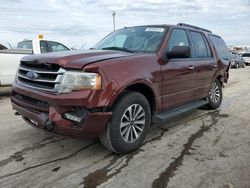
(201, 149)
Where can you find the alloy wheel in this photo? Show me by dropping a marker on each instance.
(215, 93)
(132, 123)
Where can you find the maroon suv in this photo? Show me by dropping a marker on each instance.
(133, 77)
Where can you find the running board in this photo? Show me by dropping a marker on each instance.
(167, 115)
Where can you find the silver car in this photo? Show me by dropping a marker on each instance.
(246, 58)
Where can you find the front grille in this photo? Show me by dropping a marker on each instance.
(40, 76)
(34, 102)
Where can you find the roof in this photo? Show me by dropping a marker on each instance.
(179, 24)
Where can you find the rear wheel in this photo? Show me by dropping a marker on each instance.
(215, 95)
(129, 124)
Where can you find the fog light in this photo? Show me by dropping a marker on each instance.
(77, 115)
(72, 117)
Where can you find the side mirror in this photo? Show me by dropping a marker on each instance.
(179, 52)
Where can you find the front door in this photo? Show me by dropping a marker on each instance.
(178, 76)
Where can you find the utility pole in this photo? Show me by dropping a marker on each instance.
(113, 14)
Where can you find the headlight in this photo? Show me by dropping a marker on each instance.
(78, 81)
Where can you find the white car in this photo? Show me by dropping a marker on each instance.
(246, 57)
(10, 58)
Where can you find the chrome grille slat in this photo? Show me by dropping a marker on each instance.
(48, 76)
(60, 71)
(39, 88)
(57, 81)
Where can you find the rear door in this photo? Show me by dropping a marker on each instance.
(178, 80)
(205, 64)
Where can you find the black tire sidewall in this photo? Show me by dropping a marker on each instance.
(123, 103)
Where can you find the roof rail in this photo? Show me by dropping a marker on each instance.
(195, 27)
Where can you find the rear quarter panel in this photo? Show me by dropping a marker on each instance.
(223, 65)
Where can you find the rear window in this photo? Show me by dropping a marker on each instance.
(246, 55)
(220, 46)
(25, 45)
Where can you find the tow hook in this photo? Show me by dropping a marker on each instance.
(49, 125)
(17, 114)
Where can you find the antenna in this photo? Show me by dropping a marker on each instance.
(113, 14)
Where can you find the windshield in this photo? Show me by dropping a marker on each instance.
(246, 55)
(25, 44)
(134, 39)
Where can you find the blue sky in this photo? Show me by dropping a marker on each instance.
(78, 22)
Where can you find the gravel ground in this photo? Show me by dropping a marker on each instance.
(200, 149)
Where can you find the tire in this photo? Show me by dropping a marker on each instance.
(215, 95)
(125, 133)
(243, 65)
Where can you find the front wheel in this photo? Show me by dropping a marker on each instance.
(215, 95)
(129, 124)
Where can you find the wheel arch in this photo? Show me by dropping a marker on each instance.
(220, 78)
(142, 88)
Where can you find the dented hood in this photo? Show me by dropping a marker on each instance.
(76, 59)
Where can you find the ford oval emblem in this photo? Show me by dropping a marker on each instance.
(32, 75)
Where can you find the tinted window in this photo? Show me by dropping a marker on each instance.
(25, 44)
(220, 46)
(57, 47)
(44, 46)
(178, 38)
(246, 55)
(200, 46)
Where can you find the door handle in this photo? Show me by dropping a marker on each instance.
(190, 67)
(214, 65)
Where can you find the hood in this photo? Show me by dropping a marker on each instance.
(76, 59)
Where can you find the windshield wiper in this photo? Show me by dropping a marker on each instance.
(117, 48)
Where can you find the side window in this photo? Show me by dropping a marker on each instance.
(44, 46)
(57, 47)
(200, 46)
(220, 46)
(25, 44)
(178, 38)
